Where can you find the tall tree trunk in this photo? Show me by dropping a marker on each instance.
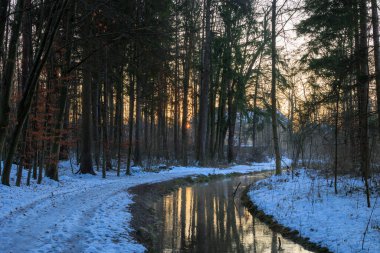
(96, 120)
(273, 92)
(119, 117)
(110, 113)
(27, 47)
(186, 80)
(137, 155)
(363, 86)
(86, 151)
(211, 124)
(203, 100)
(221, 122)
(105, 115)
(130, 123)
(3, 21)
(336, 142)
(255, 109)
(376, 51)
(176, 88)
(52, 168)
(232, 111)
(26, 64)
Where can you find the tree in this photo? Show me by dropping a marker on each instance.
(376, 53)
(52, 168)
(363, 86)
(203, 100)
(86, 132)
(273, 92)
(3, 21)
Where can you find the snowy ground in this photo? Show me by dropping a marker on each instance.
(81, 213)
(308, 204)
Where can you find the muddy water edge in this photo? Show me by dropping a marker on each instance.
(201, 214)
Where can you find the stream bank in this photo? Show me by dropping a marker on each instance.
(275, 226)
(201, 215)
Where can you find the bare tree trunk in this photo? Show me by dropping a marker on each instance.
(376, 51)
(106, 144)
(86, 152)
(96, 119)
(363, 86)
(255, 108)
(130, 119)
(176, 88)
(203, 100)
(26, 64)
(20, 166)
(137, 155)
(27, 47)
(232, 110)
(221, 122)
(41, 159)
(254, 118)
(119, 117)
(52, 168)
(273, 92)
(336, 142)
(3, 21)
(185, 97)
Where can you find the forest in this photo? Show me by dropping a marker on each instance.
(109, 86)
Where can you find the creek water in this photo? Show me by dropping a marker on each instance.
(205, 217)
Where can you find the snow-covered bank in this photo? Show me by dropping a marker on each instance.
(307, 203)
(81, 213)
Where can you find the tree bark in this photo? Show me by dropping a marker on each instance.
(86, 135)
(376, 52)
(336, 142)
(176, 89)
(137, 155)
(363, 86)
(52, 168)
(186, 79)
(3, 21)
(273, 92)
(119, 117)
(105, 115)
(130, 119)
(232, 111)
(96, 119)
(203, 100)
(27, 47)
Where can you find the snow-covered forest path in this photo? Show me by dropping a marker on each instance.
(83, 215)
(65, 222)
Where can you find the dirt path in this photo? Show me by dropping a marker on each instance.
(60, 223)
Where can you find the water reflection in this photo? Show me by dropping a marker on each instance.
(204, 218)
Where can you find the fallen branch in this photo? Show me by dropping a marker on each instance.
(369, 220)
(237, 187)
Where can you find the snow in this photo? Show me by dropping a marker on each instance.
(308, 204)
(81, 213)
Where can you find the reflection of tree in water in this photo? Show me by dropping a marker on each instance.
(274, 243)
(205, 218)
(254, 235)
(183, 219)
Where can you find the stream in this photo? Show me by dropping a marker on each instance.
(205, 217)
